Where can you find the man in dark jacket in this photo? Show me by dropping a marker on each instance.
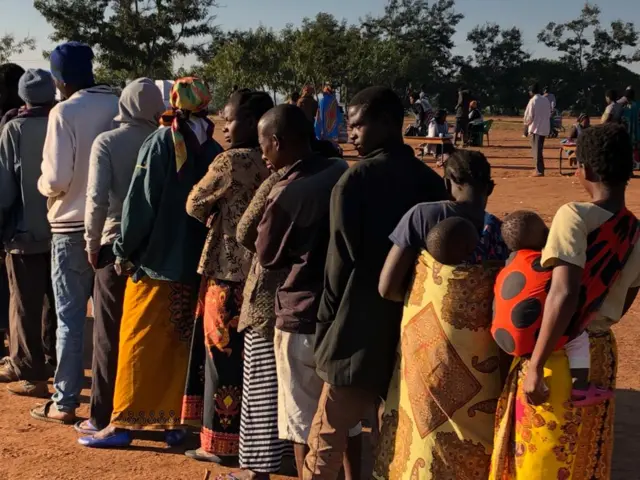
(27, 240)
(357, 332)
(462, 116)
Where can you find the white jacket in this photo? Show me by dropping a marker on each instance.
(73, 126)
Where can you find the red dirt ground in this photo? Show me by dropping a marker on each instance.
(34, 450)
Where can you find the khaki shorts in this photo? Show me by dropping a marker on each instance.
(299, 386)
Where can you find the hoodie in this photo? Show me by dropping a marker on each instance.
(73, 126)
(113, 160)
(23, 211)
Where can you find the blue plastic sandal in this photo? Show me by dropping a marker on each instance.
(119, 439)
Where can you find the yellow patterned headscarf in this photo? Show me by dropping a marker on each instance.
(189, 96)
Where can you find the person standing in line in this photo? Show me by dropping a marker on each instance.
(357, 331)
(112, 163)
(73, 126)
(308, 103)
(213, 391)
(537, 118)
(328, 117)
(10, 103)
(294, 235)
(158, 248)
(462, 116)
(27, 240)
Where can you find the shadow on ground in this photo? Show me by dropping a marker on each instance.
(626, 452)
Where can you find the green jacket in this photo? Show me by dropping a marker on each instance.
(158, 236)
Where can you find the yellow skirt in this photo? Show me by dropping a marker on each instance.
(555, 440)
(439, 413)
(155, 335)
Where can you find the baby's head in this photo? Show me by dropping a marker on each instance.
(524, 230)
(452, 241)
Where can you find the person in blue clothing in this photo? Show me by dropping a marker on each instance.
(328, 116)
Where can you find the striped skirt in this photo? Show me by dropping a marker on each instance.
(260, 448)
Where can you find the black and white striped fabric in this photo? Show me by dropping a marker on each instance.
(260, 448)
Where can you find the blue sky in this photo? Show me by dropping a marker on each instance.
(19, 17)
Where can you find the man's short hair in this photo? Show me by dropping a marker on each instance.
(380, 103)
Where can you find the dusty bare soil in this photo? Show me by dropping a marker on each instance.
(34, 450)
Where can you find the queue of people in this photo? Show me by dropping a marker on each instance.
(273, 297)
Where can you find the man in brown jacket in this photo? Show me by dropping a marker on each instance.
(308, 103)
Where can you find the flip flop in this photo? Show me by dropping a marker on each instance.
(202, 456)
(41, 412)
(592, 396)
(115, 440)
(85, 427)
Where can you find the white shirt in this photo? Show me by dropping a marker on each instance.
(538, 116)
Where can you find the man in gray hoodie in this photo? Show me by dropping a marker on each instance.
(111, 165)
(26, 235)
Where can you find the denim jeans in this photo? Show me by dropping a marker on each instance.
(72, 278)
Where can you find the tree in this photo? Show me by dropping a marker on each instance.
(10, 46)
(423, 34)
(499, 56)
(139, 37)
(591, 49)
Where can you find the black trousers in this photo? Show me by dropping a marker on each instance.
(537, 151)
(32, 316)
(108, 296)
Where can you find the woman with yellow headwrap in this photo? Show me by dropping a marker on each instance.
(159, 249)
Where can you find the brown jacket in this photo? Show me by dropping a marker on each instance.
(219, 200)
(259, 296)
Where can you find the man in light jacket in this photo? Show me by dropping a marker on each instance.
(74, 124)
(26, 236)
(112, 162)
(537, 118)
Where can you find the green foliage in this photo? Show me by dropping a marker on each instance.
(140, 37)
(10, 46)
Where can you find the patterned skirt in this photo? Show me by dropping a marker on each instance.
(154, 353)
(213, 392)
(260, 448)
(440, 408)
(556, 440)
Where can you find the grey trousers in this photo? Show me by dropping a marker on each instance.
(537, 151)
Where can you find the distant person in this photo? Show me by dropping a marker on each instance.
(439, 128)
(293, 98)
(462, 116)
(537, 118)
(308, 103)
(631, 119)
(613, 111)
(583, 123)
(328, 118)
(476, 121)
(551, 97)
(112, 164)
(357, 331)
(419, 128)
(73, 125)
(26, 236)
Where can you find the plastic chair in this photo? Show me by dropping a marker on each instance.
(487, 128)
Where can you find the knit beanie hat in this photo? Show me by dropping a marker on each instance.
(36, 87)
(72, 63)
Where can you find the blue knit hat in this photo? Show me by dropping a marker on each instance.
(72, 63)
(36, 87)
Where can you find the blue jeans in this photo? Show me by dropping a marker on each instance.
(72, 278)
